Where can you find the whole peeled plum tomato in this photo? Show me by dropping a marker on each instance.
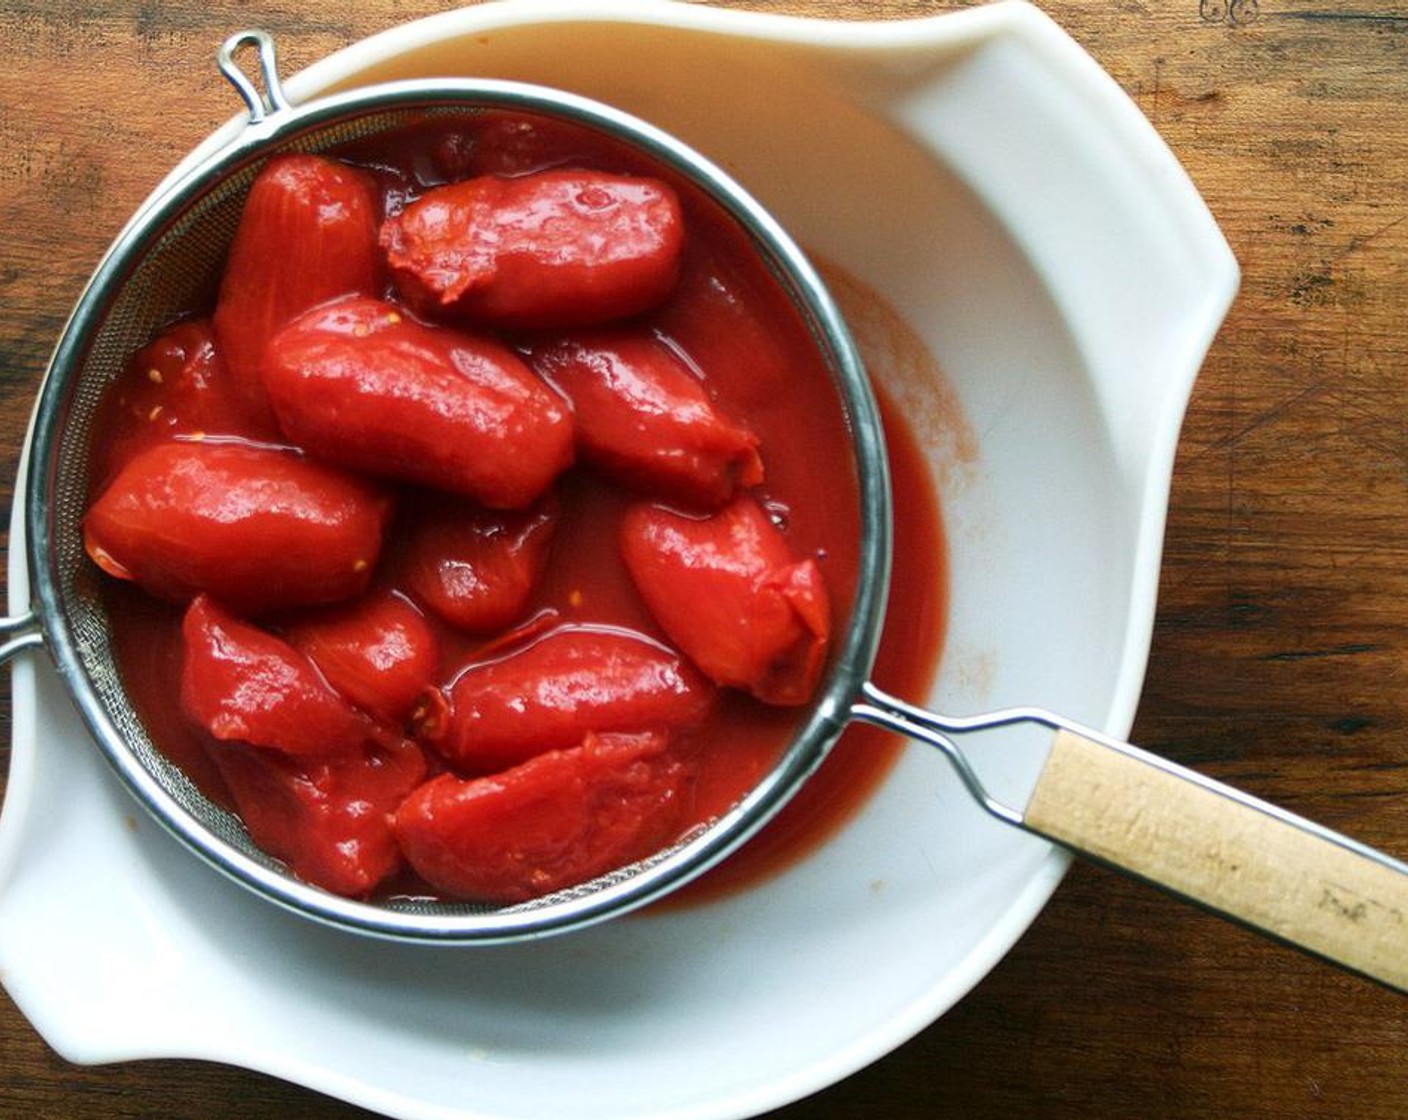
(360, 383)
(259, 528)
(555, 821)
(730, 594)
(327, 816)
(472, 567)
(307, 234)
(378, 651)
(240, 682)
(177, 386)
(558, 248)
(646, 420)
(562, 686)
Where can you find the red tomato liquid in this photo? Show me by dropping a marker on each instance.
(905, 664)
(759, 360)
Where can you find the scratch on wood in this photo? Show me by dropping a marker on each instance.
(1263, 418)
(1355, 243)
(1348, 649)
(1387, 767)
(1346, 17)
(1312, 288)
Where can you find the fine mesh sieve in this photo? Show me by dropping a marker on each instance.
(1264, 867)
(166, 262)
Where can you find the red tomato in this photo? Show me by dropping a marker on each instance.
(308, 233)
(573, 681)
(328, 817)
(728, 592)
(737, 323)
(378, 651)
(508, 144)
(176, 385)
(644, 419)
(557, 820)
(259, 528)
(243, 683)
(558, 248)
(476, 568)
(358, 383)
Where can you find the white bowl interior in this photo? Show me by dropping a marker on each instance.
(930, 161)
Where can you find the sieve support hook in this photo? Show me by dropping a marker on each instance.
(272, 99)
(18, 634)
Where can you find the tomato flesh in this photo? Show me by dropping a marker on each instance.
(378, 651)
(328, 817)
(729, 593)
(646, 420)
(177, 385)
(566, 684)
(476, 568)
(557, 820)
(307, 234)
(556, 248)
(259, 528)
(359, 383)
(241, 682)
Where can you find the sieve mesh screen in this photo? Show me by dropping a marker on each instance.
(167, 264)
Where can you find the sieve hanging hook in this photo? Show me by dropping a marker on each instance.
(272, 99)
(18, 633)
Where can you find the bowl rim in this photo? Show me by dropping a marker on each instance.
(1010, 17)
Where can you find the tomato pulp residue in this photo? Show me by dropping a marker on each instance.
(494, 583)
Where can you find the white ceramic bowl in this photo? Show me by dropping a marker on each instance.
(1006, 199)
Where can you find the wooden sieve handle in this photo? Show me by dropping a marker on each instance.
(1248, 860)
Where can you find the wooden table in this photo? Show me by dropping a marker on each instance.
(1280, 657)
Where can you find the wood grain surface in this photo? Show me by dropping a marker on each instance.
(1280, 655)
